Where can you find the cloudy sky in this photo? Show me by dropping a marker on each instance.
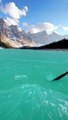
(36, 15)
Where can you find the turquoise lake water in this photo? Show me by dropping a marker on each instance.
(27, 91)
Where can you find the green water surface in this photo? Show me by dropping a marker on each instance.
(27, 91)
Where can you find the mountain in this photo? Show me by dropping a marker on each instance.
(40, 38)
(12, 31)
(8, 43)
(12, 35)
(54, 37)
(62, 44)
(3, 27)
(18, 34)
(65, 36)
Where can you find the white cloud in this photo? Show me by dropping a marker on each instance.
(11, 21)
(49, 27)
(26, 8)
(13, 11)
(34, 30)
(25, 24)
(19, 28)
(65, 28)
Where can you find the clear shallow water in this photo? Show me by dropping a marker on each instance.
(27, 91)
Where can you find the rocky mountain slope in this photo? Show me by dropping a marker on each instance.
(8, 43)
(12, 37)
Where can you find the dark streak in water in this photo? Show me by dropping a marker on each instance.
(60, 76)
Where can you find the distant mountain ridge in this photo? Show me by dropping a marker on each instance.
(12, 34)
(40, 37)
